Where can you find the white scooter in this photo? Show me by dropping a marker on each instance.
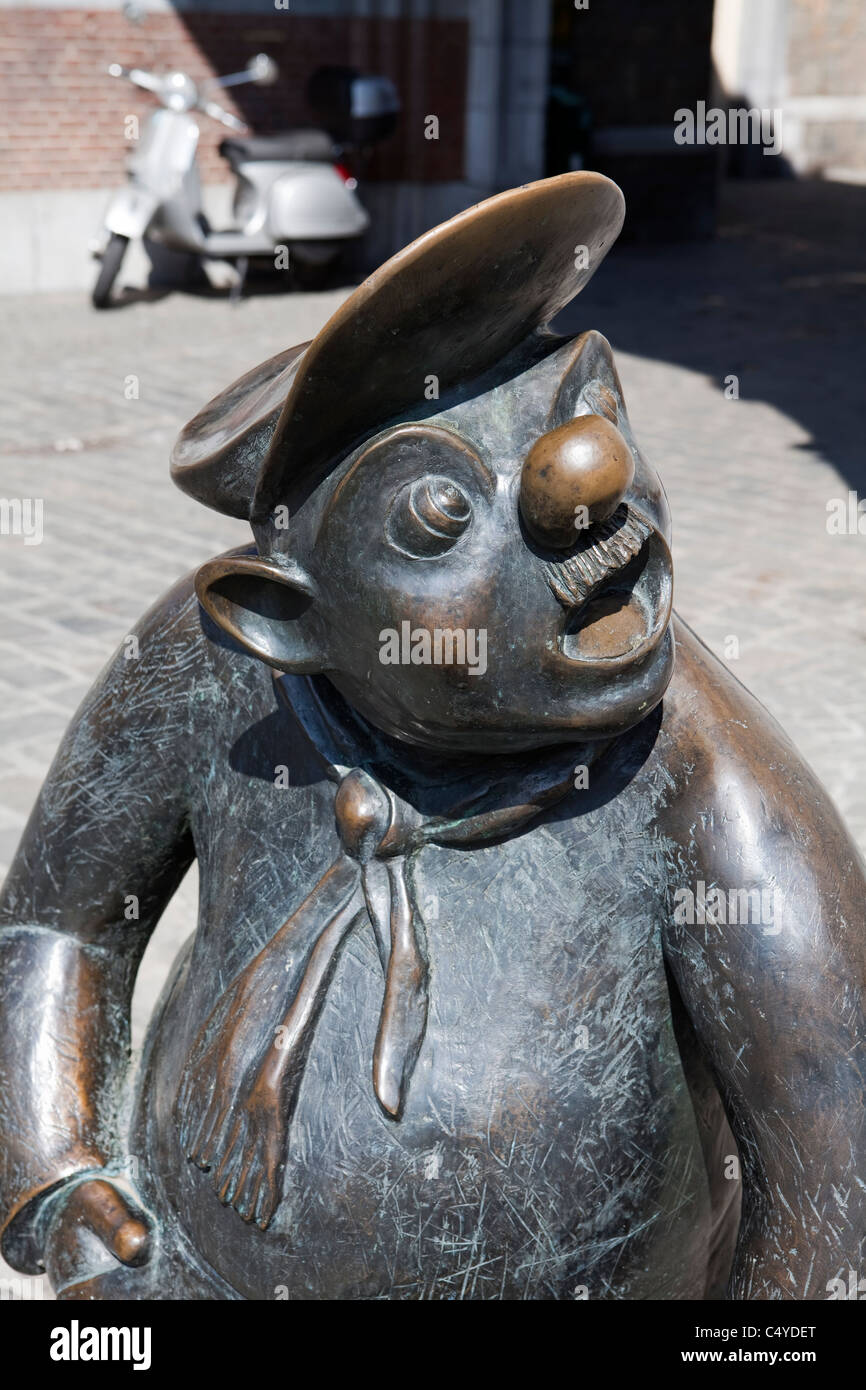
(291, 191)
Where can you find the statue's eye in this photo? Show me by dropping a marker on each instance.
(428, 516)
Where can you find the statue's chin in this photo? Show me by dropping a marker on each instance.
(600, 707)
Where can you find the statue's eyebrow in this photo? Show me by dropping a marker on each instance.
(444, 442)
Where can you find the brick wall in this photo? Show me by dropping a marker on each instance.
(62, 116)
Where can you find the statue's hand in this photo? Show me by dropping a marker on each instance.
(248, 1164)
(226, 1049)
(89, 1215)
(237, 1089)
(232, 1108)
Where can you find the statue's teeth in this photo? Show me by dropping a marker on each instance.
(617, 541)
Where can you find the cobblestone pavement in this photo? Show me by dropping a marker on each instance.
(749, 480)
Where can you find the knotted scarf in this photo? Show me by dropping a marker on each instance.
(380, 832)
(451, 802)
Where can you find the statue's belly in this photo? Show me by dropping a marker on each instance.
(547, 1148)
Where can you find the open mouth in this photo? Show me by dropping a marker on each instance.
(617, 588)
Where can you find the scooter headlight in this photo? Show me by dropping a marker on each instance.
(181, 93)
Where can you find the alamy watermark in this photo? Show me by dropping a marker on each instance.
(22, 516)
(441, 646)
(77, 1343)
(855, 1288)
(846, 516)
(702, 906)
(735, 125)
(25, 1290)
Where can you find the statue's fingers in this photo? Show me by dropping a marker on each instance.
(267, 1202)
(121, 1226)
(251, 1200)
(186, 1115)
(191, 1128)
(225, 1173)
(189, 1085)
(226, 1191)
(212, 1134)
(249, 1170)
(194, 1099)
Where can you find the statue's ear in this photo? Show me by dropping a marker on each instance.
(590, 384)
(266, 607)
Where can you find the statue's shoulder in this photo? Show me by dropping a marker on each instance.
(171, 666)
(177, 631)
(709, 714)
(734, 774)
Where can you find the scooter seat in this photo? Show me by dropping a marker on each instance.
(313, 145)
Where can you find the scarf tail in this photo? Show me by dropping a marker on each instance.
(403, 1021)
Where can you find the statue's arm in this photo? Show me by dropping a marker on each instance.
(778, 1004)
(103, 852)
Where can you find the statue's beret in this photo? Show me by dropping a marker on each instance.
(450, 305)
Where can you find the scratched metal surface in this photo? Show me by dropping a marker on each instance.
(753, 555)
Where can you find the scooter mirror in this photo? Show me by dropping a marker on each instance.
(263, 70)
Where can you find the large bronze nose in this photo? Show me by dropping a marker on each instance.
(573, 476)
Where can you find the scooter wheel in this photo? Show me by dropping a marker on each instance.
(108, 271)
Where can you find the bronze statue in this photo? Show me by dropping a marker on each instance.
(512, 899)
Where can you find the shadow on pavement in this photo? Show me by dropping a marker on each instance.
(777, 299)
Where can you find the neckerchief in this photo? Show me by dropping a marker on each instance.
(239, 1089)
(381, 831)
